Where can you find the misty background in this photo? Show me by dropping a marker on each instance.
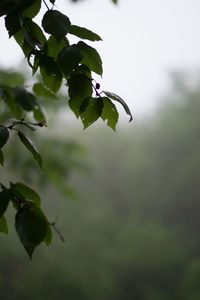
(128, 202)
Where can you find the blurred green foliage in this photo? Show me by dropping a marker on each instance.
(18, 160)
(134, 233)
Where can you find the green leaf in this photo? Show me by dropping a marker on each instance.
(41, 91)
(19, 38)
(109, 113)
(39, 115)
(30, 42)
(5, 197)
(3, 225)
(84, 70)
(26, 192)
(24, 98)
(6, 6)
(25, 41)
(84, 105)
(4, 136)
(23, 4)
(80, 87)
(84, 33)
(91, 58)
(69, 59)
(31, 147)
(48, 238)
(33, 34)
(36, 62)
(121, 101)
(56, 23)
(31, 226)
(32, 10)
(13, 22)
(1, 158)
(92, 112)
(10, 78)
(54, 47)
(51, 75)
(14, 107)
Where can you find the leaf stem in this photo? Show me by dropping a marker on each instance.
(98, 94)
(94, 87)
(29, 125)
(57, 231)
(46, 4)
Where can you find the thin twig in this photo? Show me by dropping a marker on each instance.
(46, 4)
(57, 231)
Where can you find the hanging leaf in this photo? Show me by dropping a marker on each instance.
(84, 33)
(92, 112)
(84, 70)
(3, 225)
(20, 189)
(13, 22)
(6, 6)
(1, 158)
(69, 59)
(121, 101)
(56, 23)
(33, 34)
(84, 105)
(24, 98)
(31, 226)
(4, 136)
(26, 42)
(13, 106)
(23, 4)
(36, 61)
(80, 87)
(5, 197)
(48, 237)
(41, 91)
(54, 47)
(32, 10)
(39, 115)
(31, 147)
(109, 113)
(51, 75)
(91, 58)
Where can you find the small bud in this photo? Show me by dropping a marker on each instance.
(97, 86)
(40, 124)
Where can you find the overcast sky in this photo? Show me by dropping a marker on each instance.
(142, 41)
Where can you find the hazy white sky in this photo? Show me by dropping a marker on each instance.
(142, 41)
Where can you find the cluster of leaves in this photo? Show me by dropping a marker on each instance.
(31, 224)
(56, 60)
